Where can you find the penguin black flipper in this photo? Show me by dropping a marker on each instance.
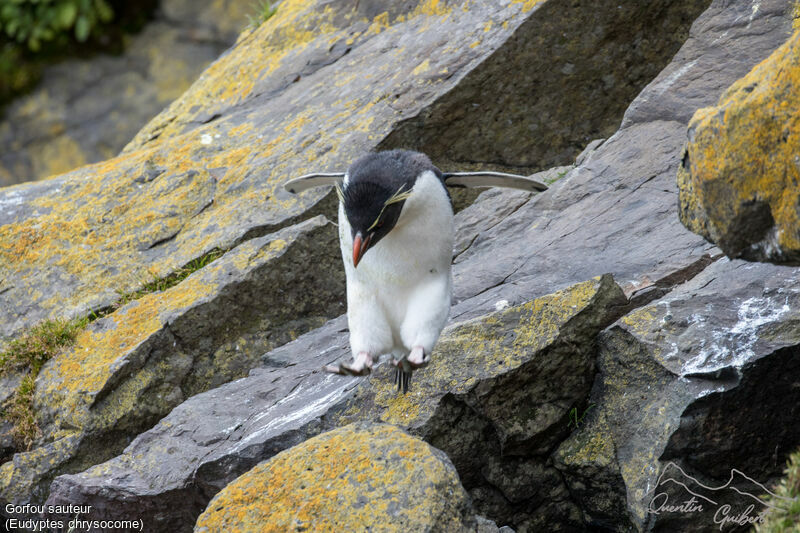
(309, 181)
(450, 179)
(493, 179)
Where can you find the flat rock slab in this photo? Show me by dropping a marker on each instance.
(362, 477)
(170, 472)
(703, 379)
(129, 369)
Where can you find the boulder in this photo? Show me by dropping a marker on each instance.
(469, 402)
(740, 176)
(362, 477)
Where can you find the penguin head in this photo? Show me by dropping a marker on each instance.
(372, 210)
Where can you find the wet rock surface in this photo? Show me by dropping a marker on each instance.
(690, 387)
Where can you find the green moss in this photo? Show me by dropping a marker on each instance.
(785, 515)
(35, 33)
(167, 282)
(38, 344)
(31, 351)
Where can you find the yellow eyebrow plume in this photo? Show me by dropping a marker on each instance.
(398, 196)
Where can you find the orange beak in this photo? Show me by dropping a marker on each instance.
(360, 247)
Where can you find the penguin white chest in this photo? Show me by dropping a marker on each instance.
(399, 295)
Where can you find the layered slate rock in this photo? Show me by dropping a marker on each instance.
(317, 85)
(131, 368)
(362, 477)
(468, 402)
(691, 387)
(86, 110)
(740, 173)
(616, 211)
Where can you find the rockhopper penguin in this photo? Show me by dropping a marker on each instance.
(396, 234)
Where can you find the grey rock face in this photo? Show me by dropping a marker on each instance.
(616, 212)
(564, 78)
(705, 379)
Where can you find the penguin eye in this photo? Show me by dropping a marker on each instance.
(379, 224)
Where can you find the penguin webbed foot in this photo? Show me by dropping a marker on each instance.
(418, 358)
(361, 366)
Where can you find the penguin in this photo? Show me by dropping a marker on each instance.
(396, 233)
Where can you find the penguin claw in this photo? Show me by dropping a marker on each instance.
(402, 374)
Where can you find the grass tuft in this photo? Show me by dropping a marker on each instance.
(784, 517)
(32, 350)
(38, 344)
(162, 284)
(263, 12)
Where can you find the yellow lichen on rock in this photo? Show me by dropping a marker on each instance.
(740, 181)
(356, 478)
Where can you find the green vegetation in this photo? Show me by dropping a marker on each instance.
(575, 420)
(34, 33)
(162, 284)
(785, 515)
(34, 22)
(263, 12)
(32, 350)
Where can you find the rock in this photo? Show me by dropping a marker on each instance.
(468, 402)
(740, 178)
(86, 110)
(702, 379)
(297, 95)
(546, 84)
(371, 477)
(129, 369)
(312, 88)
(616, 211)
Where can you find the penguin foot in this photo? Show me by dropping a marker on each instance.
(362, 366)
(418, 358)
(402, 374)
